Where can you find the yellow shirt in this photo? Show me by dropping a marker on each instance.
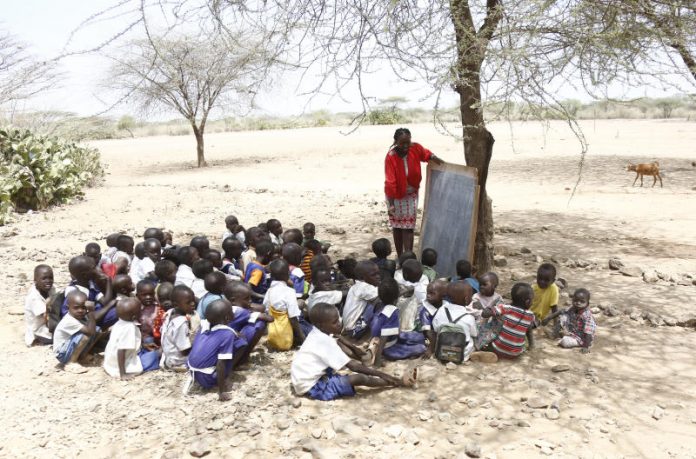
(543, 300)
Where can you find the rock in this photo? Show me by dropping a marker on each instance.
(553, 414)
(424, 415)
(612, 311)
(615, 264)
(523, 423)
(282, 423)
(634, 315)
(494, 423)
(335, 230)
(317, 433)
(658, 413)
(562, 283)
(199, 448)
(432, 396)
(296, 403)
(525, 250)
(451, 366)
(472, 449)
(394, 431)
(444, 417)
(670, 321)
(216, 425)
(537, 402)
(560, 368)
(518, 276)
(499, 261)
(631, 271)
(650, 277)
(412, 438)
(653, 319)
(346, 427)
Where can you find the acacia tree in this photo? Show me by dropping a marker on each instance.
(485, 51)
(191, 75)
(21, 75)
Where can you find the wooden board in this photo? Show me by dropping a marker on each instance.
(450, 212)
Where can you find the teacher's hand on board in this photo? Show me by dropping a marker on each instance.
(437, 160)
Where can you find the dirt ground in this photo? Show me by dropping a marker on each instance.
(632, 396)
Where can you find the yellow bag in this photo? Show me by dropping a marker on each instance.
(280, 331)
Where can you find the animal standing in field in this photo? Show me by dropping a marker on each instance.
(652, 169)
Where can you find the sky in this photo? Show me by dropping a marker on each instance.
(46, 26)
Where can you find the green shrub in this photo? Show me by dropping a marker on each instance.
(385, 116)
(37, 171)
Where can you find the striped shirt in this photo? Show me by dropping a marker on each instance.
(304, 266)
(516, 322)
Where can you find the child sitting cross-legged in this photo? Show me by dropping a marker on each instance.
(323, 291)
(214, 284)
(486, 297)
(465, 273)
(382, 249)
(313, 368)
(250, 320)
(145, 293)
(255, 271)
(292, 253)
(429, 260)
(232, 262)
(457, 314)
(281, 303)
(177, 329)
(165, 271)
(76, 332)
(358, 310)
(576, 323)
(546, 291)
(35, 314)
(126, 355)
(434, 300)
(389, 340)
(200, 269)
(216, 351)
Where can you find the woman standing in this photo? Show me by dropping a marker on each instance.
(402, 173)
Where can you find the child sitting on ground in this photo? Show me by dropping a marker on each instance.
(389, 340)
(429, 260)
(247, 322)
(382, 249)
(281, 303)
(323, 291)
(165, 271)
(358, 310)
(292, 254)
(122, 286)
(486, 297)
(505, 332)
(255, 273)
(412, 279)
(152, 250)
(231, 263)
(200, 269)
(434, 300)
(253, 236)
(275, 230)
(163, 293)
(214, 284)
(312, 249)
(35, 311)
(186, 255)
(465, 273)
(546, 291)
(457, 314)
(76, 332)
(145, 293)
(126, 354)
(177, 329)
(93, 251)
(201, 244)
(313, 367)
(216, 351)
(576, 323)
(121, 259)
(233, 229)
(84, 277)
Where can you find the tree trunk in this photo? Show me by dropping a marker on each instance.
(478, 150)
(200, 146)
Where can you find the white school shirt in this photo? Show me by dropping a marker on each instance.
(240, 236)
(119, 254)
(356, 300)
(467, 323)
(65, 330)
(34, 316)
(175, 340)
(198, 287)
(419, 289)
(329, 296)
(282, 298)
(140, 269)
(248, 256)
(124, 335)
(318, 352)
(107, 254)
(184, 276)
(84, 290)
(399, 278)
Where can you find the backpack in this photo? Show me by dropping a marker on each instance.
(451, 341)
(53, 306)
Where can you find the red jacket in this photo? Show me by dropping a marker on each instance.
(395, 181)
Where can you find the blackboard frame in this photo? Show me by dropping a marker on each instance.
(471, 173)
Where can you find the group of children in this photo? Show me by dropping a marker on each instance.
(196, 309)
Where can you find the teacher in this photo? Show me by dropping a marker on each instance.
(402, 172)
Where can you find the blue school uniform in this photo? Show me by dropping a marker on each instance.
(208, 348)
(297, 277)
(245, 325)
(399, 344)
(205, 301)
(93, 294)
(262, 283)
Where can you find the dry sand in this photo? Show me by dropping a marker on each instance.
(632, 396)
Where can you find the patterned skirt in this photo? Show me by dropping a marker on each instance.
(405, 212)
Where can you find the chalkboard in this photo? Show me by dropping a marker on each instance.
(450, 212)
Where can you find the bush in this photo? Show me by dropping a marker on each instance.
(37, 171)
(385, 116)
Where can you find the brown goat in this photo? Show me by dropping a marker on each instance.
(652, 169)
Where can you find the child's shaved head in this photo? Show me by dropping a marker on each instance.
(139, 250)
(406, 256)
(202, 268)
(201, 244)
(93, 251)
(112, 239)
(165, 270)
(153, 249)
(292, 253)
(412, 270)
(128, 309)
(460, 293)
(264, 248)
(215, 282)
(522, 295)
(326, 318)
(219, 312)
(237, 292)
(292, 235)
(232, 247)
(81, 269)
(125, 244)
(123, 284)
(280, 271)
(163, 294)
(187, 255)
(154, 233)
(436, 292)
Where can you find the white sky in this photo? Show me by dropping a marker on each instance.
(45, 26)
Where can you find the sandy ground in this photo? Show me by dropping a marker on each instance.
(633, 396)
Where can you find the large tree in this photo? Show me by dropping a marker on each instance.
(189, 74)
(483, 51)
(21, 74)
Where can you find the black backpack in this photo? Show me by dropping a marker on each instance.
(451, 341)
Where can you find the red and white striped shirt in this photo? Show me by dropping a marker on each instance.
(516, 322)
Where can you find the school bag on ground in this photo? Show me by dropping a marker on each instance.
(451, 341)
(53, 306)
